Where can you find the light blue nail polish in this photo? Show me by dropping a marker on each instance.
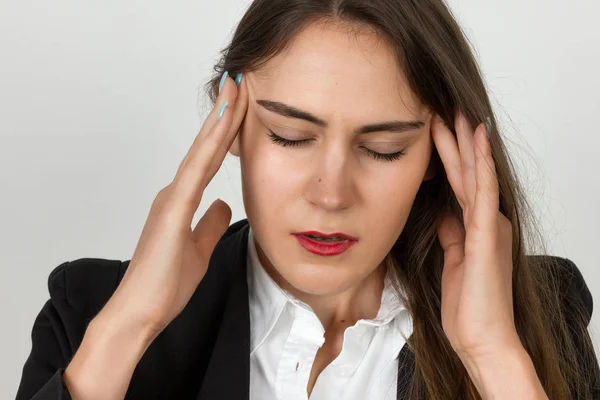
(223, 79)
(222, 110)
(238, 79)
(488, 126)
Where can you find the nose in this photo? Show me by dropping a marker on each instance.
(332, 183)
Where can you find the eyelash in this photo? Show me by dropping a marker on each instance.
(291, 143)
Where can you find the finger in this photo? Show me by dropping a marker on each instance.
(194, 174)
(197, 172)
(451, 234)
(239, 110)
(447, 148)
(228, 93)
(487, 198)
(464, 134)
(239, 113)
(205, 236)
(451, 237)
(211, 226)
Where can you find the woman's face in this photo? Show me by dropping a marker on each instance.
(333, 182)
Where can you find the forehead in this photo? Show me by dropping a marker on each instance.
(337, 69)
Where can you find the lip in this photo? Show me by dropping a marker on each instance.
(325, 248)
(327, 235)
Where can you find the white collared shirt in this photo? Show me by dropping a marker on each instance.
(286, 334)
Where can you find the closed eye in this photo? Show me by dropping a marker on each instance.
(377, 156)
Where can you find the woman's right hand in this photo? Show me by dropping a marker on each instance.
(170, 258)
(168, 263)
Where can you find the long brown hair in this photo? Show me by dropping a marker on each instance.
(442, 72)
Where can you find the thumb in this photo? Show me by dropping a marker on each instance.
(211, 226)
(451, 235)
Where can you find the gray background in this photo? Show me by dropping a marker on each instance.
(99, 103)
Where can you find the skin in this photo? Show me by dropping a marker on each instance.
(477, 296)
(331, 184)
(328, 182)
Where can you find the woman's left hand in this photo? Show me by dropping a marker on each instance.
(477, 300)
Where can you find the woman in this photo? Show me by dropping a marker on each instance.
(384, 252)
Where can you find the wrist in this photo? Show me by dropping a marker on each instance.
(121, 313)
(111, 349)
(506, 373)
(120, 325)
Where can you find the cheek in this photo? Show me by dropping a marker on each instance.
(388, 204)
(397, 183)
(270, 178)
(392, 191)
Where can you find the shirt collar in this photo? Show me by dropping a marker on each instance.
(267, 299)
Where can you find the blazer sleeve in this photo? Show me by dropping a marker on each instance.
(78, 290)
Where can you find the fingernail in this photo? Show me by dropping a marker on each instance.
(238, 79)
(222, 110)
(488, 126)
(223, 79)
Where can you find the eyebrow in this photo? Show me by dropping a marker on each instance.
(293, 112)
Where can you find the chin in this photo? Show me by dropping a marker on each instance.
(317, 279)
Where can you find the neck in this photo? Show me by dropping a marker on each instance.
(341, 309)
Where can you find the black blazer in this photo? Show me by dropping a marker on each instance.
(204, 353)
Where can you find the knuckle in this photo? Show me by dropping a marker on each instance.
(181, 196)
(162, 195)
(167, 212)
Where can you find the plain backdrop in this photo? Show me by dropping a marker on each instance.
(99, 102)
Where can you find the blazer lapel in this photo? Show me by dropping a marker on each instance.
(228, 373)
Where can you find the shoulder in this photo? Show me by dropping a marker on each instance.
(572, 288)
(575, 287)
(84, 285)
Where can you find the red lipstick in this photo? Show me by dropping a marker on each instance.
(310, 241)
